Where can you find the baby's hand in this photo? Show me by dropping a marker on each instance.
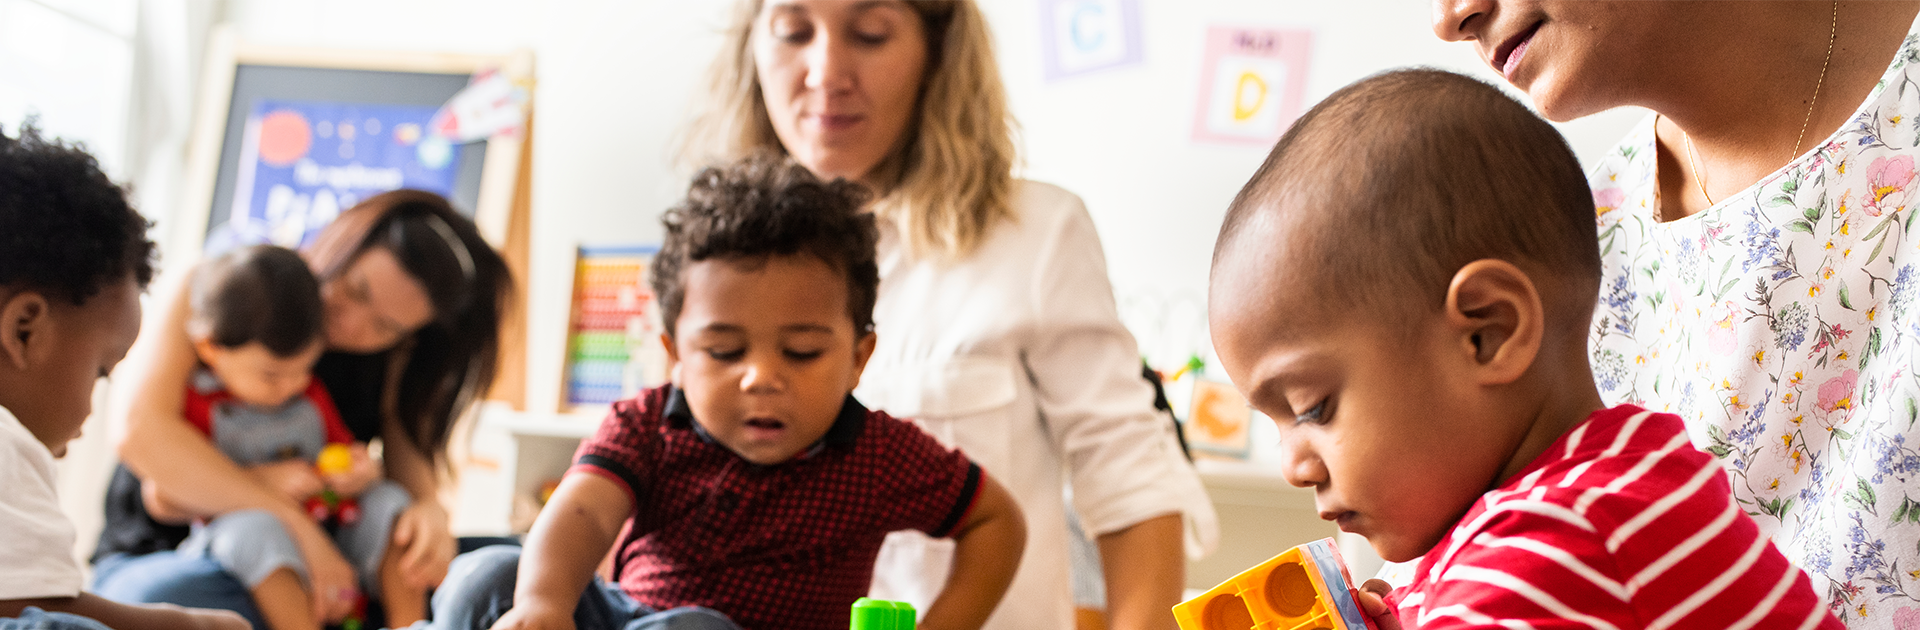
(361, 474)
(1373, 602)
(292, 478)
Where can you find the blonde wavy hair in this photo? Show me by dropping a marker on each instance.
(952, 178)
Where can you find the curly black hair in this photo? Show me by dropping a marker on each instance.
(767, 205)
(65, 229)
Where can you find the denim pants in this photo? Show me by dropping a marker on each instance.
(253, 544)
(171, 578)
(479, 589)
(167, 577)
(36, 619)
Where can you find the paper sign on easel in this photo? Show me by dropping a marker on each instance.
(1252, 83)
(1081, 36)
(489, 106)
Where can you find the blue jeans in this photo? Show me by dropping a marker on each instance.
(479, 589)
(253, 544)
(36, 619)
(166, 577)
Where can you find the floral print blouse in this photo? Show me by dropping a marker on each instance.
(1783, 324)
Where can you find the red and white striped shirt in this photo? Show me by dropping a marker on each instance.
(1622, 523)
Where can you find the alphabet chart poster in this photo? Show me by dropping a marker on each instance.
(1080, 36)
(1252, 83)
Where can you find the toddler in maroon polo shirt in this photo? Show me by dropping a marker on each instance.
(754, 490)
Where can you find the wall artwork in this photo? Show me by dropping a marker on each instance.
(301, 162)
(1252, 83)
(1219, 420)
(1082, 36)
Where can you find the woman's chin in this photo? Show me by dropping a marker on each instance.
(828, 161)
(840, 168)
(1556, 103)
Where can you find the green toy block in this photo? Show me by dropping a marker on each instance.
(880, 614)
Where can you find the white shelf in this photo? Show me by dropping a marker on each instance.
(542, 449)
(577, 425)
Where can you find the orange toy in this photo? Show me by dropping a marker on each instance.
(1305, 588)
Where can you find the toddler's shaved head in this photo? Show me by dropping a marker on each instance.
(1389, 186)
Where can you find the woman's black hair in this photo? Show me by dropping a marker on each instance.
(450, 363)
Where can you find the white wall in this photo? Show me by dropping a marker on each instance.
(617, 76)
(1121, 139)
(70, 63)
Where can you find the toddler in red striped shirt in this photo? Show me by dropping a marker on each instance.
(1405, 287)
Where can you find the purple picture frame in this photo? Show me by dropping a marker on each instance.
(1079, 37)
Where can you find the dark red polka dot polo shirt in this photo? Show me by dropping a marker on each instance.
(790, 545)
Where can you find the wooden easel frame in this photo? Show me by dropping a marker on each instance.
(504, 200)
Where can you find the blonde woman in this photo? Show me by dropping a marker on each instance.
(996, 322)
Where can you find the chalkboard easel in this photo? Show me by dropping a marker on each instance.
(285, 137)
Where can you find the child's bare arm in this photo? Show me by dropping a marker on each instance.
(1145, 570)
(129, 616)
(986, 552)
(573, 532)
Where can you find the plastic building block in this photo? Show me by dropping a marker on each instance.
(880, 614)
(1306, 588)
(329, 506)
(334, 459)
(357, 620)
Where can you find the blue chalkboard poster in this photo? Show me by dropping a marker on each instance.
(303, 144)
(301, 162)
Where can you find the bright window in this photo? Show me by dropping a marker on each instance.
(71, 63)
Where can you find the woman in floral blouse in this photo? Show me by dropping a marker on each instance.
(1760, 249)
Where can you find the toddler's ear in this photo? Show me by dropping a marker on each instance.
(673, 358)
(862, 352)
(204, 347)
(1496, 311)
(24, 318)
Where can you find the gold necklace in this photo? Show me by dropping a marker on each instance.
(1699, 176)
(1833, 33)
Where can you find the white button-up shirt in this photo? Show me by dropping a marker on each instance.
(1017, 356)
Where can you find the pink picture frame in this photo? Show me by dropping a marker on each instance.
(1252, 83)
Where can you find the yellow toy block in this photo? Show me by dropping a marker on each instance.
(334, 459)
(1305, 588)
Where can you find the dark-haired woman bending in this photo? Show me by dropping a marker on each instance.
(413, 300)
